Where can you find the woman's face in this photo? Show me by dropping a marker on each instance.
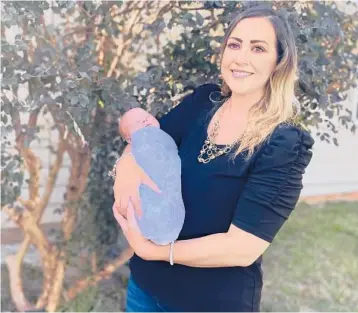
(250, 56)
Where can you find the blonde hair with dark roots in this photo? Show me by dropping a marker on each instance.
(279, 104)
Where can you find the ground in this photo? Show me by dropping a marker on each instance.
(313, 263)
(311, 266)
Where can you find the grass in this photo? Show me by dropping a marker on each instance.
(107, 296)
(32, 286)
(313, 263)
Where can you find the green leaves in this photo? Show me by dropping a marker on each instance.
(97, 59)
(199, 19)
(69, 83)
(325, 40)
(11, 177)
(102, 58)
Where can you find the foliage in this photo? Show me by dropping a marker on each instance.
(83, 303)
(95, 60)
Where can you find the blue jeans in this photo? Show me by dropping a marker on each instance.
(139, 301)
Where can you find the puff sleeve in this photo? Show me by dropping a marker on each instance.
(178, 121)
(274, 182)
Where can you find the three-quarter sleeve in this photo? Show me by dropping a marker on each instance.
(274, 182)
(178, 121)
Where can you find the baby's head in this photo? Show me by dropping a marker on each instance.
(134, 120)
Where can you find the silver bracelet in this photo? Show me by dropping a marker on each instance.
(171, 253)
(112, 173)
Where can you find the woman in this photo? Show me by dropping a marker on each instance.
(233, 209)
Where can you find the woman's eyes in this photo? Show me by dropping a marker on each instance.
(256, 48)
(233, 45)
(261, 49)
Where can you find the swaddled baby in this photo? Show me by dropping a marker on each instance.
(157, 154)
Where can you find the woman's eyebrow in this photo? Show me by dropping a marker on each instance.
(251, 41)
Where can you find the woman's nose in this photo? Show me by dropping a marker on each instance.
(243, 56)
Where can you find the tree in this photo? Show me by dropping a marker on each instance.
(100, 59)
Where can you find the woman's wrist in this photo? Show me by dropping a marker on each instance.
(113, 172)
(161, 253)
(124, 154)
(127, 151)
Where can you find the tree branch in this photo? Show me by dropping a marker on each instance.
(80, 161)
(107, 271)
(13, 263)
(120, 49)
(177, 5)
(54, 169)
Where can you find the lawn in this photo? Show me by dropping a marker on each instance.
(311, 266)
(313, 263)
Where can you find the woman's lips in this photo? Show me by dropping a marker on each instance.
(241, 74)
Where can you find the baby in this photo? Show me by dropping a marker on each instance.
(154, 150)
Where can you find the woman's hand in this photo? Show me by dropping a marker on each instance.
(126, 186)
(141, 246)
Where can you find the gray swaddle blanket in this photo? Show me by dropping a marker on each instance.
(163, 213)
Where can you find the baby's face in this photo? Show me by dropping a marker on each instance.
(134, 120)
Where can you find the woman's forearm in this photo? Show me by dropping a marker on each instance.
(217, 250)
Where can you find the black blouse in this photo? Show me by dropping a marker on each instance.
(256, 195)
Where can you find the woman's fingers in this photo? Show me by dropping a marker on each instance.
(132, 223)
(149, 182)
(120, 219)
(115, 213)
(123, 203)
(119, 210)
(135, 199)
(123, 223)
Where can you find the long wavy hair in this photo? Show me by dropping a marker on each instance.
(279, 104)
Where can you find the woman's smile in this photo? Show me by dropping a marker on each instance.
(250, 50)
(241, 74)
(235, 205)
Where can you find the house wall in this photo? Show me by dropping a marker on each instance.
(334, 169)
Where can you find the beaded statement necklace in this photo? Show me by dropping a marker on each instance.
(210, 150)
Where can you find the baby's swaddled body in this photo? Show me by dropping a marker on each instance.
(163, 213)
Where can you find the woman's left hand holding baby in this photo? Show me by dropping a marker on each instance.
(141, 246)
